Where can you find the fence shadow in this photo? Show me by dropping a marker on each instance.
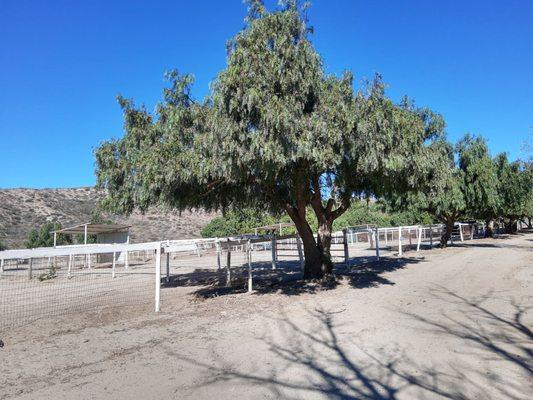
(320, 359)
(286, 279)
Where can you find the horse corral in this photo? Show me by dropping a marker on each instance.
(45, 282)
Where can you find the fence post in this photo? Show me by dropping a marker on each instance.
(69, 267)
(2, 265)
(249, 253)
(377, 242)
(30, 269)
(430, 236)
(228, 266)
(168, 267)
(300, 251)
(419, 239)
(157, 277)
(346, 250)
(113, 275)
(399, 240)
(217, 245)
(370, 236)
(197, 249)
(472, 231)
(461, 232)
(274, 251)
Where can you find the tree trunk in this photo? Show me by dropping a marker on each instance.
(512, 226)
(317, 252)
(447, 234)
(324, 246)
(489, 231)
(317, 255)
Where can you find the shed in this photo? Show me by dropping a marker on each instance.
(105, 233)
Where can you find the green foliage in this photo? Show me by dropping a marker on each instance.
(243, 221)
(275, 134)
(44, 237)
(437, 188)
(2, 246)
(273, 130)
(50, 274)
(236, 222)
(480, 178)
(515, 187)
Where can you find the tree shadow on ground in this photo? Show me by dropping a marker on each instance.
(321, 359)
(500, 245)
(287, 279)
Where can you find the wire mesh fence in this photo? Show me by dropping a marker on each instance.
(39, 288)
(43, 283)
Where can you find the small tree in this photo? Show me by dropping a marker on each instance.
(44, 237)
(276, 134)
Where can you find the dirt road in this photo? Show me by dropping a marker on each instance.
(452, 323)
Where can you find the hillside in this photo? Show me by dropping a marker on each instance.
(24, 209)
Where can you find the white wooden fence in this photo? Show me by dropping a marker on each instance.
(65, 267)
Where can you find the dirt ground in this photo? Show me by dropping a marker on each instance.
(453, 323)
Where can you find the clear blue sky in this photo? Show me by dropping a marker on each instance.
(62, 63)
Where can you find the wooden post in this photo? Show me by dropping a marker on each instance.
(300, 252)
(274, 251)
(168, 267)
(386, 237)
(114, 265)
(370, 236)
(197, 249)
(157, 278)
(419, 239)
(471, 231)
(399, 240)
(249, 254)
(377, 242)
(430, 236)
(30, 269)
(217, 245)
(69, 267)
(410, 239)
(461, 232)
(346, 250)
(2, 265)
(228, 266)
(127, 255)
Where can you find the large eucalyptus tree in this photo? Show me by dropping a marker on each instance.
(276, 133)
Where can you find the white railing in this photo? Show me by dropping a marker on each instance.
(75, 260)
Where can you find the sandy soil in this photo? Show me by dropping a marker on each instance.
(452, 323)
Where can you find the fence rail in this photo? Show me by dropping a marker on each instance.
(36, 283)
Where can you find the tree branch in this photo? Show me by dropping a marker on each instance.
(341, 209)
